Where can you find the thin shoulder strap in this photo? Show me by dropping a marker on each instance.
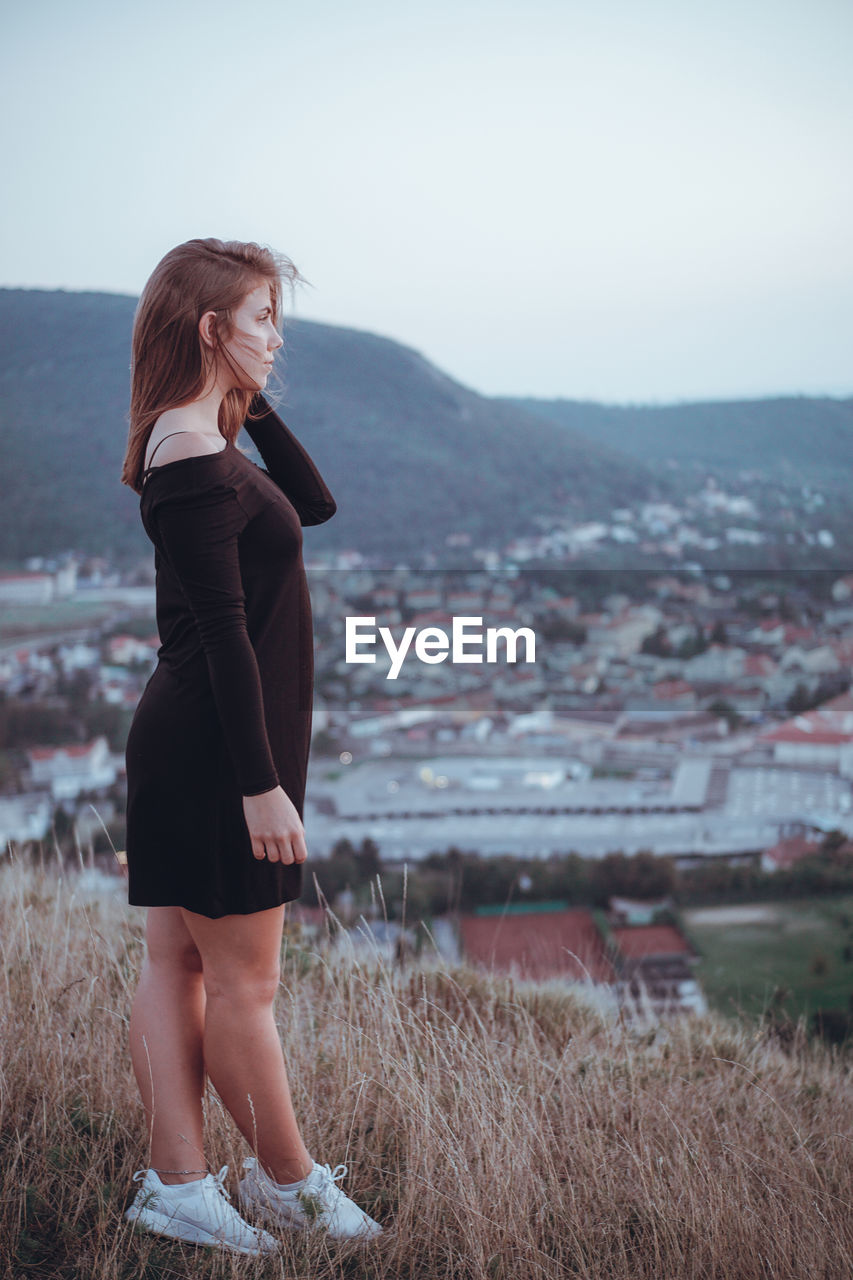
(159, 442)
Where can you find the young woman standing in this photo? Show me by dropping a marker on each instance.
(218, 748)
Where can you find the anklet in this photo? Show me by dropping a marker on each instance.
(177, 1170)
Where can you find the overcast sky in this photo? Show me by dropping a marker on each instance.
(599, 199)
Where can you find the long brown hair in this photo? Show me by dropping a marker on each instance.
(170, 364)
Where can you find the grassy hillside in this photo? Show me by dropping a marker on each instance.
(498, 1130)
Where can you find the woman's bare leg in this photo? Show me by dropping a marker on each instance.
(166, 1044)
(242, 1049)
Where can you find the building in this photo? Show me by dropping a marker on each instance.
(27, 588)
(24, 817)
(790, 849)
(630, 911)
(655, 965)
(68, 771)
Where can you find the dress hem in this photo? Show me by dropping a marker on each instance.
(217, 915)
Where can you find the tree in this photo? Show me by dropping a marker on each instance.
(799, 701)
(657, 644)
(644, 875)
(725, 711)
(367, 860)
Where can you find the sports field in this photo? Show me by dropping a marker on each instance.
(752, 949)
(29, 622)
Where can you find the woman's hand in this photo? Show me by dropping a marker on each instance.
(275, 827)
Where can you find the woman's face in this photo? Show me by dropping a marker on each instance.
(252, 346)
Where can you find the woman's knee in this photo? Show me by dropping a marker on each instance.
(241, 954)
(250, 983)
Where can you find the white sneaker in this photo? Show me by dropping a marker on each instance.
(316, 1203)
(201, 1216)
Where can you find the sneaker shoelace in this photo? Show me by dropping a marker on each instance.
(229, 1214)
(326, 1191)
(217, 1178)
(219, 1182)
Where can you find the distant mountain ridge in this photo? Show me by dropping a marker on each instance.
(787, 437)
(411, 455)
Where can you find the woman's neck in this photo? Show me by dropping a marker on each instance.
(201, 414)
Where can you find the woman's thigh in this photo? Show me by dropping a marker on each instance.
(169, 941)
(238, 950)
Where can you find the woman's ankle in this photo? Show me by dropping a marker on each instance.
(178, 1177)
(287, 1172)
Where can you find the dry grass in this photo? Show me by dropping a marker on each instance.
(498, 1130)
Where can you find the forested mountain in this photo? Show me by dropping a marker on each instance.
(411, 455)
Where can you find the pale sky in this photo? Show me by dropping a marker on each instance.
(621, 200)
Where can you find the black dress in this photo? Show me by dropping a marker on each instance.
(227, 710)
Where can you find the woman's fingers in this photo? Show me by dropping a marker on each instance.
(300, 852)
(284, 849)
(278, 850)
(275, 828)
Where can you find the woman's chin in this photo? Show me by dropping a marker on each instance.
(255, 384)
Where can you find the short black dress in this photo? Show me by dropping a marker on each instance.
(227, 710)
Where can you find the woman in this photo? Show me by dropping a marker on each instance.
(217, 751)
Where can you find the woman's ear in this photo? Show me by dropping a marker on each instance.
(207, 328)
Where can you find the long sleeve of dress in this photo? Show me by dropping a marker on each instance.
(289, 465)
(198, 531)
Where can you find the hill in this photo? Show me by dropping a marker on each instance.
(410, 455)
(496, 1128)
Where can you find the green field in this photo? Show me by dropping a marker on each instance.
(28, 621)
(796, 945)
